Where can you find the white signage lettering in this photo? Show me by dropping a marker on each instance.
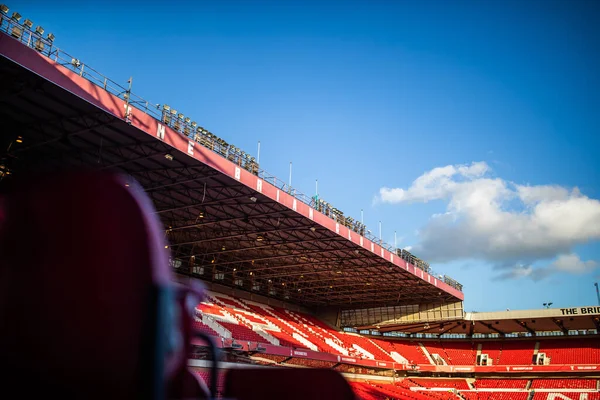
(160, 132)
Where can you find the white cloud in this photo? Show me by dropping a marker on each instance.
(432, 185)
(488, 218)
(572, 263)
(567, 263)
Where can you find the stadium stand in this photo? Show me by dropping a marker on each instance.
(495, 395)
(459, 384)
(501, 383)
(241, 332)
(365, 347)
(493, 350)
(201, 327)
(585, 351)
(565, 395)
(516, 353)
(411, 351)
(564, 383)
(459, 353)
(394, 361)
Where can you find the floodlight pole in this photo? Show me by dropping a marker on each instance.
(597, 292)
(362, 217)
(127, 111)
(258, 154)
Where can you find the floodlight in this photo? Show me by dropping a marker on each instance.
(51, 37)
(180, 116)
(19, 139)
(39, 45)
(166, 107)
(174, 112)
(194, 124)
(199, 129)
(39, 30)
(16, 32)
(28, 23)
(3, 9)
(187, 120)
(16, 16)
(75, 62)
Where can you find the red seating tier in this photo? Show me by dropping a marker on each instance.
(201, 327)
(365, 344)
(241, 332)
(210, 309)
(517, 353)
(230, 302)
(495, 395)
(564, 384)
(409, 350)
(492, 349)
(459, 384)
(504, 352)
(460, 353)
(566, 395)
(501, 383)
(587, 351)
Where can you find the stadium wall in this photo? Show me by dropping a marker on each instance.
(395, 315)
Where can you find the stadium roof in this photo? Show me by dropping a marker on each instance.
(223, 222)
(528, 322)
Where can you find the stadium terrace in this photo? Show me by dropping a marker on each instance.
(291, 281)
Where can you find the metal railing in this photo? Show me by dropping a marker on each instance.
(177, 122)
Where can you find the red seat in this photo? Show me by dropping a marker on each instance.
(86, 307)
(290, 384)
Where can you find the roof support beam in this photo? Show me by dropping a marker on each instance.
(492, 328)
(525, 326)
(560, 325)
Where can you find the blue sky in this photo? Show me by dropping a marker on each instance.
(365, 95)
